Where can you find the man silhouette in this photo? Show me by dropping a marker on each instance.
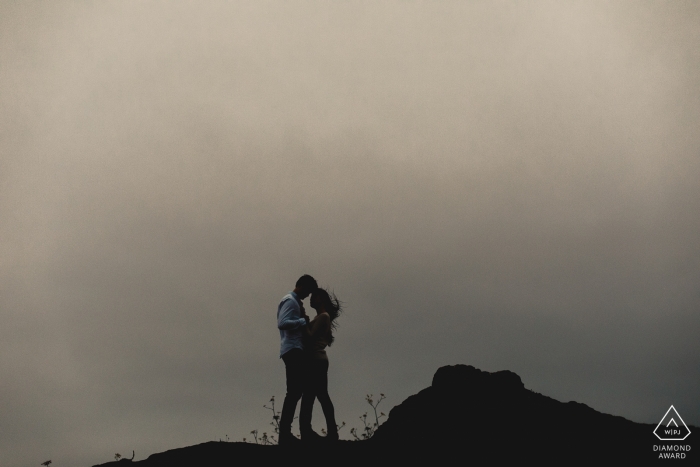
(291, 318)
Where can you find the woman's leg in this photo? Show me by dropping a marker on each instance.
(324, 398)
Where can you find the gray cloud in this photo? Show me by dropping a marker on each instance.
(510, 186)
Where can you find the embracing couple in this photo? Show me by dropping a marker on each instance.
(303, 350)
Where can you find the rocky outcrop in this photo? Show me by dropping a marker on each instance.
(471, 413)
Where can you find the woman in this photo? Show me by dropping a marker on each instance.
(318, 335)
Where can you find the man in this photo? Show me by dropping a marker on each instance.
(291, 318)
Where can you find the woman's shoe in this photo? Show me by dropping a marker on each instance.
(310, 436)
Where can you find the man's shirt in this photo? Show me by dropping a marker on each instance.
(290, 322)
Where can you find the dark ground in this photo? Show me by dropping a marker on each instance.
(465, 416)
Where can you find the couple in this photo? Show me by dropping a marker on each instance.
(303, 351)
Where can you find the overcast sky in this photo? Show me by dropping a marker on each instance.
(507, 185)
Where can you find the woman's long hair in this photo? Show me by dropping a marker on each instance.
(333, 307)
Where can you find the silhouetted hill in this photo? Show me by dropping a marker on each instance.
(483, 416)
(465, 416)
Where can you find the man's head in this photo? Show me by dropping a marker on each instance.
(305, 285)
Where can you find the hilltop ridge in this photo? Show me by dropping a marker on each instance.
(465, 415)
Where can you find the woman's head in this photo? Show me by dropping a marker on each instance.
(323, 300)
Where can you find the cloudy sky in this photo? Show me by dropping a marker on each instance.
(507, 185)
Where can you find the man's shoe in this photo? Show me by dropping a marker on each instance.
(332, 437)
(288, 439)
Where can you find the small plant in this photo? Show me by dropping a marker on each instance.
(337, 427)
(369, 428)
(118, 456)
(275, 420)
(47, 463)
(264, 439)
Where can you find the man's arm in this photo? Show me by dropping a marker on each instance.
(286, 319)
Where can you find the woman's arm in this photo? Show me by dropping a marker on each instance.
(318, 326)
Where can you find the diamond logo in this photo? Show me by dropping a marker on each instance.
(671, 427)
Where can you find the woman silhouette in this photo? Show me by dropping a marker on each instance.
(317, 336)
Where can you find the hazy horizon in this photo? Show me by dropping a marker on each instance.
(513, 186)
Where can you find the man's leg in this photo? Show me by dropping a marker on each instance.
(294, 369)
